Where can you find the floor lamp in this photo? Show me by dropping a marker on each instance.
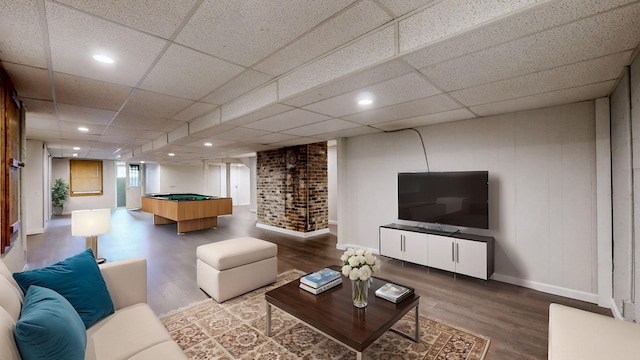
(90, 224)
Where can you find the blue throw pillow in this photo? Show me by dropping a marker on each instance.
(79, 280)
(49, 327)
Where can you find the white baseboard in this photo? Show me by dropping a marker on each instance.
(617, 312)
(346, 246)
(549, 289)
(35, 231)
(292, 232)
(333, 222)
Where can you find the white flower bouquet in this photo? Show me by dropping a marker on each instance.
(359, 264)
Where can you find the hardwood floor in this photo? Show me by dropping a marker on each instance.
(515, 318)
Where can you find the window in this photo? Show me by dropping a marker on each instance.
(86, 177)
(134, 175)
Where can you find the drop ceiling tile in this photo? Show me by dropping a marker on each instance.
(593, 37)
(399, 8)
(383, 72)
(418, 121)
(30, 82)
(181, 132)
(298, 141)
(404, 88)
(450, 17)
(123, 140)
(155, 105)
(141, 122)
(42, 123)
(194, 110)
(272, 138)
(215, 144)
(542, 17)
(89, 93)
(39, 108)
(364, 52)
(212, 131)
(287, 120)
(239, 134)
(322, 127)
(19, 18)
(569, 76)
(559, 97)
(76, 36)
(161, 19)
(344, 27)
(266, 111)
(85, 115)
(424, 106)
(259, 26)
(204, 122)
(250, 102)
(245, 82)
(189, 74)
(72, 128)
(358, 131)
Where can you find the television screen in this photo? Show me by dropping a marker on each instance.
(447, 198)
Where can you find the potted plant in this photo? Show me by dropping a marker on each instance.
(59, 193)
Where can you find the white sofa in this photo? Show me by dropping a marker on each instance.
(132, 332)
(578, 334)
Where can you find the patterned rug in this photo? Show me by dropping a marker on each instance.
(235, 330)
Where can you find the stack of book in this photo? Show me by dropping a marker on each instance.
(320, 281)
(393, 292)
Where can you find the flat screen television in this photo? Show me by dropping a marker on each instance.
(458, 198)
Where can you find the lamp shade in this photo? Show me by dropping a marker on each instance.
(90, 222)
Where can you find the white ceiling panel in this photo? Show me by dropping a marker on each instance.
(250, 102)
(194, 110)
(589, 38)
(23, 18)
(76, 37)
(42, 123)
(122, 140)
(79, 91)
(559, 97)
(213, 130)
(404, 88)
(189, 74)
(424, 120)
(349, 83)
(133, 122)
(72, 127)
(40, 108)
(239, 134)
(298, 141)
(155, 105)
(266, 111)
(246, 81)
(539, 18)
(429, 105)
(322, 127)
(287, 120)
(273, 138)
(162, 18)
(84, 115)
(400, 8)
(140, 133)
(199, 143)
(569, 76)
(346, 26)
(358, 131)
(35, 80)
(449, 17)
(245, 22)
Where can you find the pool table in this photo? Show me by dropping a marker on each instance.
(191, 212)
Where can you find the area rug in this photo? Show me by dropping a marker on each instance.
(235, 329)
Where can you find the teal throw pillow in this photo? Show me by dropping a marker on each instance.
(49, 327)
(79, 280)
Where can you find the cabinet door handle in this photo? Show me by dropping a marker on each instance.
(453, 255)
(457, 253)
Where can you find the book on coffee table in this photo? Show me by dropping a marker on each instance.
(322, 288)
(321, 277)
(393, 292)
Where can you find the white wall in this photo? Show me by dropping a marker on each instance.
(33, 192)
(152, 178)
(215, 182)
(181, 179)
(60, 169)
(332, 186)
(542, 193)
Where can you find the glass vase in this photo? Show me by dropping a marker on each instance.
(360, 292)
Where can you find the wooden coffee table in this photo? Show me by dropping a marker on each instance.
(332, 313)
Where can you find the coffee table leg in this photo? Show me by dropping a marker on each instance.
(268, 325)
(358, 355)
(417, 338)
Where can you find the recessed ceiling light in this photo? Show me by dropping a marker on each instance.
(103, 59)
(208, 144)
(141, 161)
(365, 102)
(76, 148)
(75, 154)
(172, 154)
(82, 128)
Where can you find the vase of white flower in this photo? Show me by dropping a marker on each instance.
(359, 265)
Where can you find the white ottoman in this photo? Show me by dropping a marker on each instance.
(233, 267)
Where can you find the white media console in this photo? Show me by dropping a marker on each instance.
(460, 253)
